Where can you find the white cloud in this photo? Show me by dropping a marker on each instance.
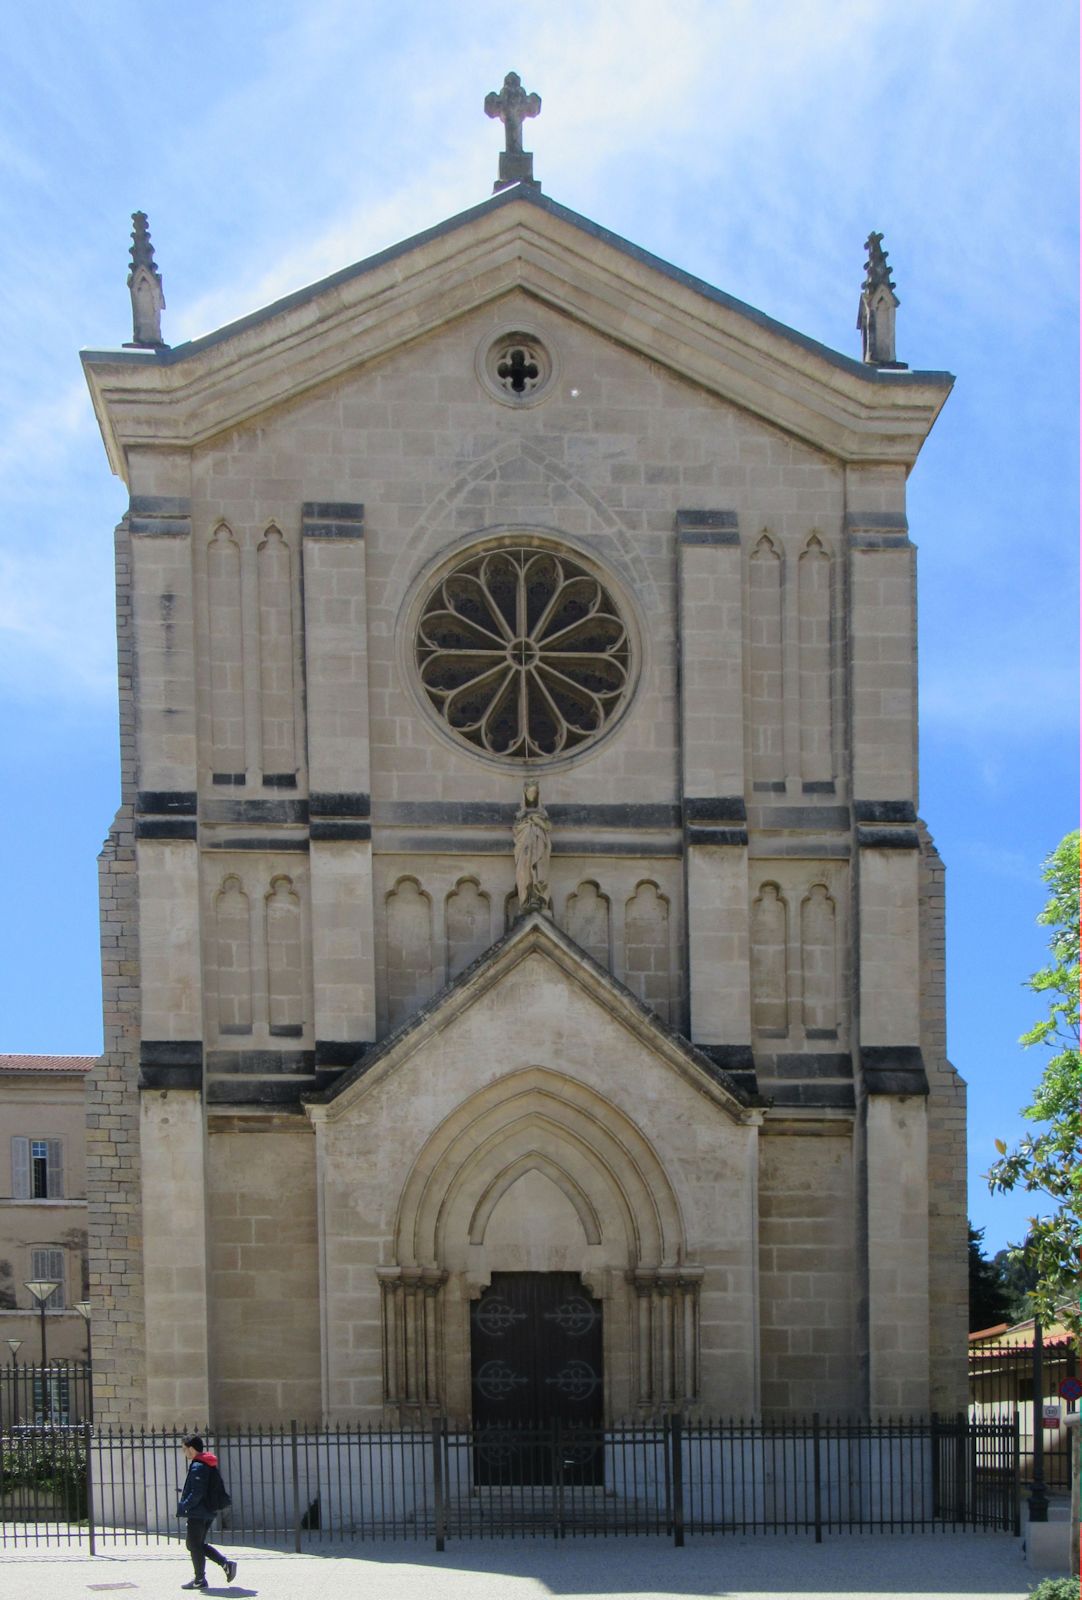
(57, 633)
(41, 434)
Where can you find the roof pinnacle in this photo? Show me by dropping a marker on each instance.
(145, 284)
(878, 302)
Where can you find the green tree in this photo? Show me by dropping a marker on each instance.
(1046, 1162)
(1019, 1282)
(989, 1302)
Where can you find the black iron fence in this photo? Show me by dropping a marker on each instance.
(1001, 1380)
(298, 1488)
(57, 1395)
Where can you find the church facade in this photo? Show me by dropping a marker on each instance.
(523, 959)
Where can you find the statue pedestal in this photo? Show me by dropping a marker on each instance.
(515, 167)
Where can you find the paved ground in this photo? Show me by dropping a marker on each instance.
(974, 1566)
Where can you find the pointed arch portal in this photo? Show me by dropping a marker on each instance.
(533, 1181)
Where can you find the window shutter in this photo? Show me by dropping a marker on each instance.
(20, 1169)
(54, 1169)
(51, 1266)
(58, 1270)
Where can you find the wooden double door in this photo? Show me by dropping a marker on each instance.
(536, 1354)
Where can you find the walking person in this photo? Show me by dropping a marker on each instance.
(201, 1498)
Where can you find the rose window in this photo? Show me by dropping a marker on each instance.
(524, 653)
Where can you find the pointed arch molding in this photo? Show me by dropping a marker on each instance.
(446, 525)
(539, 1118)
(534, 1161)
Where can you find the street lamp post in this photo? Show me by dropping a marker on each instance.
(1038, 1494)
(14, 1345)
(41, 1289)
(83, 1308)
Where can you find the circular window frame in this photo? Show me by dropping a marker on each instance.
(476, 546)
(490, 352)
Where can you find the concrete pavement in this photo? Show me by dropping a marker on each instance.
(905, 1567)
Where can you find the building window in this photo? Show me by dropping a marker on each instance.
(52, 1398)
(524, 653)
(50, 1265)
(37, 1169)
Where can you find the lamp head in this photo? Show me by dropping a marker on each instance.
(42, 1288)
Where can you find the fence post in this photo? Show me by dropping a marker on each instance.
(88, 1441)
(437, 1481)
(818, 1481)
(960, 1464)
(1016, 1475)
(296, 1488)
(676, 1444)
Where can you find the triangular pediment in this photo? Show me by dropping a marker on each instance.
(518, 240)
(536, 937)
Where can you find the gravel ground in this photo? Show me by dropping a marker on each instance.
(907, 1567)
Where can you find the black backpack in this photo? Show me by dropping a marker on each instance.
(217, 1495)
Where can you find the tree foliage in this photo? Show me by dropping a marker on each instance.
(1019, 1281)
(1046, 1162)
(989, 1300)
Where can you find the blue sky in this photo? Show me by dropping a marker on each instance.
(752, 142)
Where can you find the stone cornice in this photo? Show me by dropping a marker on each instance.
(519, 240)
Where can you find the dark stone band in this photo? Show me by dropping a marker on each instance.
(171, 1064)
(323, 803)
(707, 527)
(332, 519)
(719, 808)
(716, 836)
(884, 811)
(165, 828)
(166, 802)
(339, 831)
(893, 1069)
(888, 838)
(247, 1062)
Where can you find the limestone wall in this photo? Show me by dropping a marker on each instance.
(263, 1270)
(947, 1216)
(113, 1165)
(807, 1269)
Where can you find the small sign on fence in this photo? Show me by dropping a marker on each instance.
(1050, 1415)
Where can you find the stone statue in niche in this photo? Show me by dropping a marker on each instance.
(532, 834)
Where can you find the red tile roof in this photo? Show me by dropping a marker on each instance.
(46, 1063)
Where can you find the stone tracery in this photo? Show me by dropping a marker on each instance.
(524, 653)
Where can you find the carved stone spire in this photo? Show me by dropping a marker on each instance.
(513, 105)
(145, 284)
(878, 302)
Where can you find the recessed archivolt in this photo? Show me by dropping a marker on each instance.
(512, 1124)
(608, 542)
(616, 1200)
(534, 1161)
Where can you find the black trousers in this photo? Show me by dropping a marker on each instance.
(198, 1548)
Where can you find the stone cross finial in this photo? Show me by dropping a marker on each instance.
(145, 284)
(513, 105)
(875, 315)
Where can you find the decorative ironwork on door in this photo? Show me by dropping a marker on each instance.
(536, 1353)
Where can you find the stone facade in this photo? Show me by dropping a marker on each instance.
(344, 1082)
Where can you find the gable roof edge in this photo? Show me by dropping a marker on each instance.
(534, 932)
